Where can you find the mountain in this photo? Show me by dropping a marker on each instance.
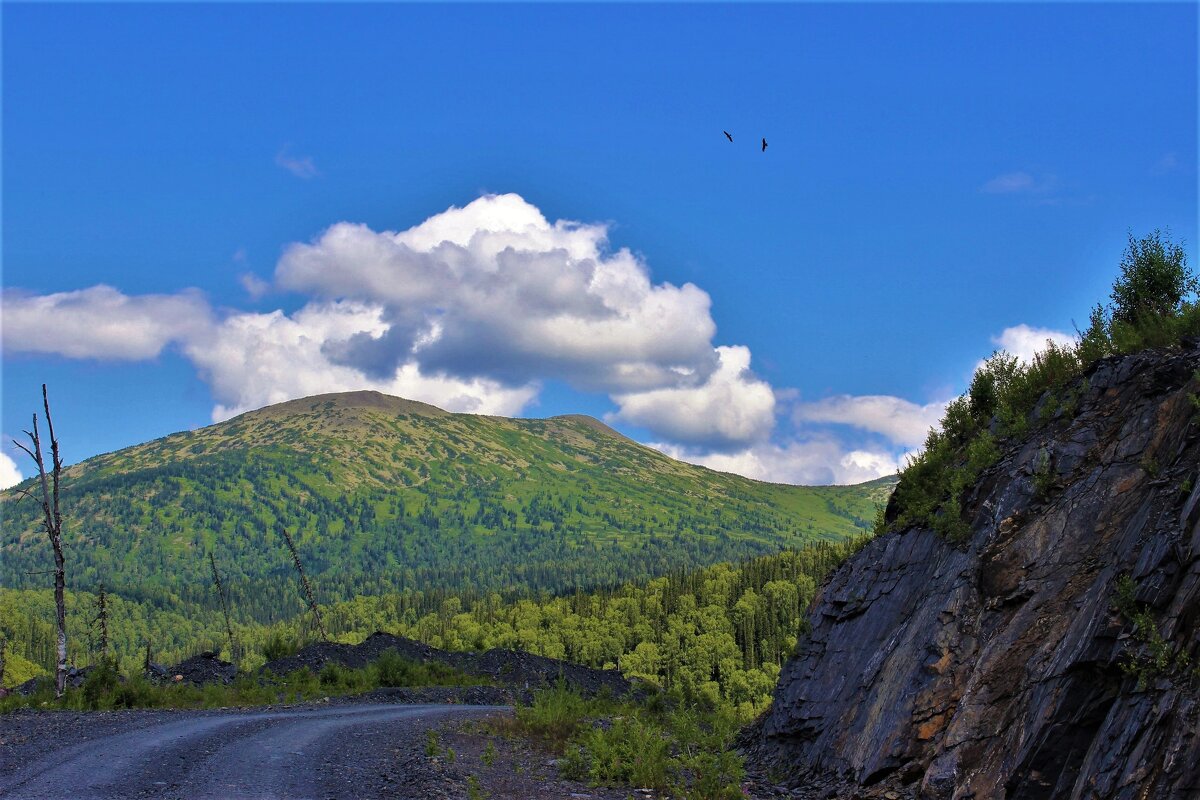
(1051, 650)
(383, 494)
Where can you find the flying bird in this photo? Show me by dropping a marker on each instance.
(728, 135)
(764, 144)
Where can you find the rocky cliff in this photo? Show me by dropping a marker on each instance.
(1053, 653)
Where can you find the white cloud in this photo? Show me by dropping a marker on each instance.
(10, 475)
(300, 166)
(816, 461)
(901, 421)
(255, 286)
(1023, 341)
(495, 290)
(101, 322)
(730, 408)
(468, 310)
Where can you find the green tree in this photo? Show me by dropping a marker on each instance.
(1154, 279)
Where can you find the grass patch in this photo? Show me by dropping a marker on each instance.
(661, 743)
(105, 688)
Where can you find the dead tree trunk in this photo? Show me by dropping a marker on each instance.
(312, 603)
(212, 562)
(52, 520)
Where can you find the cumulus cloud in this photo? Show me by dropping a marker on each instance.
(1023, 341)
(101, 322)
(493, 289)
(470, 311)
(252, 360)
(730, 408)
(816, 461)
(10, 475)
(300, 166)
(901, 421)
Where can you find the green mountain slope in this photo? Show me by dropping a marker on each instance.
(384, 494)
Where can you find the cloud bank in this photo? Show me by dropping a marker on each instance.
(101, 322)
(472, 310)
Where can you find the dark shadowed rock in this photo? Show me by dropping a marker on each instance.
(999, 668)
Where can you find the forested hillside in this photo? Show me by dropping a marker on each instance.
(385, 495)
(719, 633)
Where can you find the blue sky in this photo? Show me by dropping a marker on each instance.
(937, 177)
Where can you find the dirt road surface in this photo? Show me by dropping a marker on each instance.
(330, 751)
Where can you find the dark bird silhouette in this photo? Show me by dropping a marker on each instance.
(728, 135)
(764, 145)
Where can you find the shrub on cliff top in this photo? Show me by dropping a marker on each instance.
(1149, 307)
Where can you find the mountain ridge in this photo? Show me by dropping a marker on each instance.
(385, 494)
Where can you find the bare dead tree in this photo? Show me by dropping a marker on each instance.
(308, 594)
(212, 562)
(146, 663)
(52, 521)
(3, 651)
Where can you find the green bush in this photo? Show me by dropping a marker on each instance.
(554, 716)
(279, 646)
(100, 685)
(629, 751)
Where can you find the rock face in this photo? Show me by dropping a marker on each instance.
(1009, 665)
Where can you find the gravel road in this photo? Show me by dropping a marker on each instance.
(330, 751)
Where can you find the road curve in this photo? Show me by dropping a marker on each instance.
(295, 754)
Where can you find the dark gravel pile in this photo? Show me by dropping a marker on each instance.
(526, 670)
(204, 668)
(356, 656)
(520, 671)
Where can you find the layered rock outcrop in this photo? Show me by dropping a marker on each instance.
(1054, 653)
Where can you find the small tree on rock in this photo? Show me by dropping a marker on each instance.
(1154, 279)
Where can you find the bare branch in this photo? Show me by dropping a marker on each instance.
(23, 447)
